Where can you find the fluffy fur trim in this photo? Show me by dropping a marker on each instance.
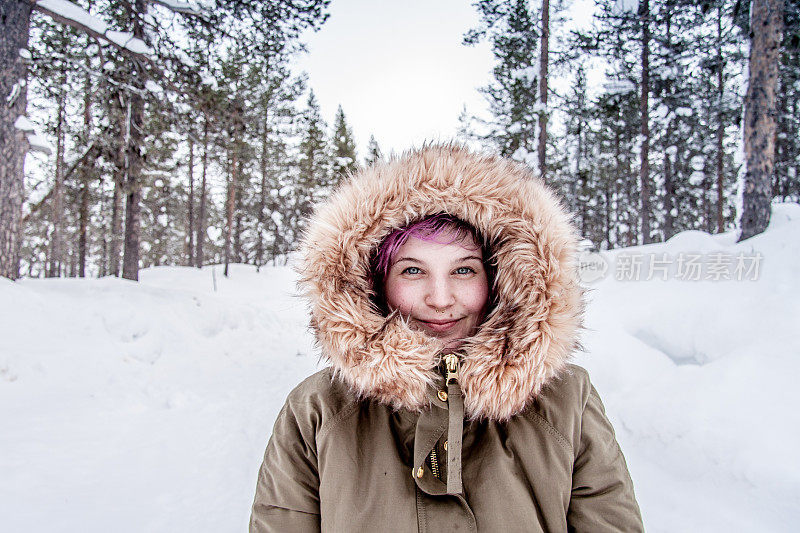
(523, 343)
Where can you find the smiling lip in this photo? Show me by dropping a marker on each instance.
(440, 325)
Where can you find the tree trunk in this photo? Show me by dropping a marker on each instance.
(116, 220)
(130, 261)
(783, 151)
(582, 179)
(201, 215)
(238, 255)
(104, 240)
(190, 229)
(607, 217)
(57, 208)
(619, 171)
(766, 29)
(543, 62)
(14, 29)
(231, 203)
(669, 195)
(720, 125)
(83, 213)
(706, 184)
(262, 197)
(237, 127)
(644, 168)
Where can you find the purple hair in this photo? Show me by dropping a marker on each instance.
(427, 229)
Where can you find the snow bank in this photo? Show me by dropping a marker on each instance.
(146, 407)
(143, 407)
(698, 378)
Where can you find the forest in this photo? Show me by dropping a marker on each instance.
(172, 132)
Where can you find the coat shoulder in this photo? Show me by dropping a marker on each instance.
(561, 404)
(320, 400)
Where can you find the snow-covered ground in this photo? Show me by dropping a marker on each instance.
(146, 407)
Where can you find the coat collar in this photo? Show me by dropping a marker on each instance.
(524, 342)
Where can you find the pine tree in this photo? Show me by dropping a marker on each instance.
(511, 28)
(313, 165)
(343, 149)
(374, 153)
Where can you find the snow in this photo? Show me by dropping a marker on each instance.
(661, 111)
(74, 12)
(525, 74)
(698, 378)
(126, 39)
(209, 80)
(213, 233)
(185, 59)
(522, 155)
(16, 89)
(625, 6)
(152, 86)
(71, 11)
(39, 144)
(181, 6)
(618, 86)
(696, 178)
(146, 407)
(24, 124)
(24, 53)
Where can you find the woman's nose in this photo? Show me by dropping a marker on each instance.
(440, 294)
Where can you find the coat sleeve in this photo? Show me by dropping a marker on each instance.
(602, 497)
(287, 492)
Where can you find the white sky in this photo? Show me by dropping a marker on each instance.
(398, 69)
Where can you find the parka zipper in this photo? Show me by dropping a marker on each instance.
(451, 374)
(435, 464)
(451, 364)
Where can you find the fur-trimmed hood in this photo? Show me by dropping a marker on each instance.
(525, 340)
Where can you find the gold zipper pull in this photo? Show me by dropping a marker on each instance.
(451, 364)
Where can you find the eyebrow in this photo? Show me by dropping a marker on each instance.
(415, 260)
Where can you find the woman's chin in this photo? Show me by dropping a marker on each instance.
(452, 345)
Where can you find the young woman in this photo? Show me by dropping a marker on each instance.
(443, 294)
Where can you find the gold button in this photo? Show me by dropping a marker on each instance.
(445, 445)
(443, 395)
(420, 472)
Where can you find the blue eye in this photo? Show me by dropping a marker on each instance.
(465, 270)
(408, 270)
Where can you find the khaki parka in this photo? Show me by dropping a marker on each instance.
(504, 436)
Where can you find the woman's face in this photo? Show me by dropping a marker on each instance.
(441, 288)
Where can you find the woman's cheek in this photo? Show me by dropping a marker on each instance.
(476, 295)
(400, 296)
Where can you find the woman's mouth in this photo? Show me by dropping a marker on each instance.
(439, 326)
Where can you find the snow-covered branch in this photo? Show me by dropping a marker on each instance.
(180, 6)
(73, 15)
(36, 141)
